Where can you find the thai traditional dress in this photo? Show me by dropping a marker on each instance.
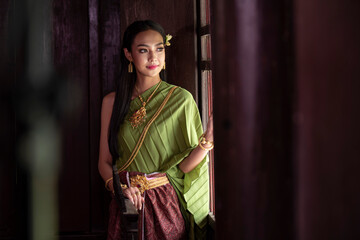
(171, 137)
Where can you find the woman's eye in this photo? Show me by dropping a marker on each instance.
(160, 49)
(142, 50)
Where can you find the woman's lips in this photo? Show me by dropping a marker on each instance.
(152, 67)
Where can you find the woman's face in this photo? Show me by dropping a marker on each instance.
(147, 53)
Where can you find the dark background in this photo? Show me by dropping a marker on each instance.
(86, 39)
(286, 112)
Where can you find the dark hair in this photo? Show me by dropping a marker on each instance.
(126, 82)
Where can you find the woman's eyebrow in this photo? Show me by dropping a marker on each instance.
(145, 45)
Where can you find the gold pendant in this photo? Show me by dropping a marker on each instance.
(138, 117)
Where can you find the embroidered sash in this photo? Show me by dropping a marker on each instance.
(144, 132)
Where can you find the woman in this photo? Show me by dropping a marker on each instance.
(151, 129)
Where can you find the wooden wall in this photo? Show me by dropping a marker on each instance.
(71, 58)
(286, 83)
(86, 39)
(253, 98)
(328, 116)
(286, 111)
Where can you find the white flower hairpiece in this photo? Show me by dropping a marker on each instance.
(168, 37)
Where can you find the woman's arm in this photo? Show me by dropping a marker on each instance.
(198, 154)
(105, 158)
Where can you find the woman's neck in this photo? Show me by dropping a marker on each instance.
(144, 83)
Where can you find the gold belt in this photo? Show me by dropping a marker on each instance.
(143, 184)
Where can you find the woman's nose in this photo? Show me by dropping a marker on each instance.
(152, 55)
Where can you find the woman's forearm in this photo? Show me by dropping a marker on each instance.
(194, 158)
(198, 154)
(105, 170)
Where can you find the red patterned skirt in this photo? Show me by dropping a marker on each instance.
(160, 217)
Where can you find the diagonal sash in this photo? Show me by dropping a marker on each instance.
(144, 132)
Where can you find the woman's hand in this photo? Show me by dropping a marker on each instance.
(133, 193)
(209, 129)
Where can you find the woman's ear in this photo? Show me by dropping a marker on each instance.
(128, 55)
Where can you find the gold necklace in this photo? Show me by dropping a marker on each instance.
(139, 115)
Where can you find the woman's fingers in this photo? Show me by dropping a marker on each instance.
(128, 193)
(210, 122)
(135, 197)
(209, 129)
(139, 199)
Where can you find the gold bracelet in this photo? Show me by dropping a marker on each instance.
(202, 140)
(206, 149)
(123, 186)
(107, 184)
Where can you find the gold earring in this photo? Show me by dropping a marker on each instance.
(164, 66)
(130, 67)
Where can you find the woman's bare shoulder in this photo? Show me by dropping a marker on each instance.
(108, 101)
(109, 98)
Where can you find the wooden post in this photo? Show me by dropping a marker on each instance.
(328, 117)
(252, 46)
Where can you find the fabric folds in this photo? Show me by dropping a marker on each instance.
(170, 139)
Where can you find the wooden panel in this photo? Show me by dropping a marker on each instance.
(110, 43)
(99, 204)
(252, 120)
(86, 46)
(109, 40)
(114, 16)
(178, 19)
(328, 57)
(71, 59)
